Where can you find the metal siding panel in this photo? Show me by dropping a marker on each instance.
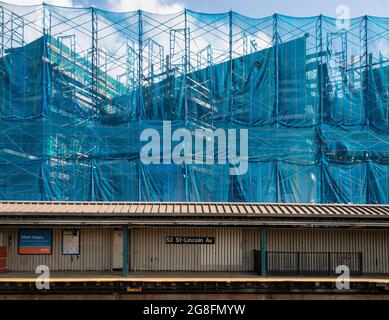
(227, 239)
(382, 251)
(372, 243)
(226, 254)
(232, 251)
(372, 262)
(134, 244)
(250, 243)
(150, 249)
(94, 255)
(378, 251)
(366, 253)
(155, 248)
(136, 248)
(131, 253)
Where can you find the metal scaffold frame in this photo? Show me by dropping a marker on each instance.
(104, 76)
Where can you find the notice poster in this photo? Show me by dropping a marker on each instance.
(71, 242)
(35, 241)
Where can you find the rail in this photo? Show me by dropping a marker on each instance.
(308, 263)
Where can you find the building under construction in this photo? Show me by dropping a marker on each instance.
(79, 85)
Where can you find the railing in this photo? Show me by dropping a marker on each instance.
(308, 263)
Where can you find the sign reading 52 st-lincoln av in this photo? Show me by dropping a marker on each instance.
(189, 240)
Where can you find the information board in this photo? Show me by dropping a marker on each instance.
(71, 242)
(35, 241)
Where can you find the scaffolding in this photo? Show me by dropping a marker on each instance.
(78, 86)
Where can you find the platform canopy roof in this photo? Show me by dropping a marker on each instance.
(187, 213)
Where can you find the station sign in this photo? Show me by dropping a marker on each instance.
(35, 241)
(189, 240)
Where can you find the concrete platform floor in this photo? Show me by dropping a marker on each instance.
(155, 276)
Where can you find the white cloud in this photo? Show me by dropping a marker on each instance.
(153, 6)
(63, 3)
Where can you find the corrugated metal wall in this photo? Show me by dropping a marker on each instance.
(232, 251)
(95, 252)
(374, 244)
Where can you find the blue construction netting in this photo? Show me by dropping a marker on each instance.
(78, 86)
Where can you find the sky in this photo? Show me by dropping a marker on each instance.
(252, 8)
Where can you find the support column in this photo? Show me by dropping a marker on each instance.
(125, 251)
(263, 251)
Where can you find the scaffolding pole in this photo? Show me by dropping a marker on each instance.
(320, 62)
(2, 49)
(45, 59)
(364, 63)
(94, 90)
(245, 44)
(94, 61)
(16, 39)
(365, 68)
(276, 61)
(131, 59)
(231, 66)
(2, 27)
(208, 57)
(139, 94)
(186, 57)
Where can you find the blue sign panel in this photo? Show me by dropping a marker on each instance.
(35, 241)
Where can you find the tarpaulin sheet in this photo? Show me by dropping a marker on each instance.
(79, 88)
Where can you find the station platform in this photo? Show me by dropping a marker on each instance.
(156, 276)
(162, 283)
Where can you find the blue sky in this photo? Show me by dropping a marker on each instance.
(253, 8)
(292, 7)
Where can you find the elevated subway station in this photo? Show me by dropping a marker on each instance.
(79, 86)
(218, 248)
(263, 239)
